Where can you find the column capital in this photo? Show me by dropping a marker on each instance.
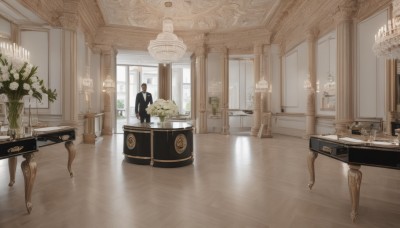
(345, 11)
(200, 50)
(70, 15)
(258, 48)
(312, 34)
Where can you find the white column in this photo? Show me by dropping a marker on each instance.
(225, 92)
(344, 103)
(391, 105)
(70, 97)
(257, 96)
(201, 90)
(108, 68)
(310, 112)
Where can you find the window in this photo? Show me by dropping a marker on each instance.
(241, 84)
(181, 87)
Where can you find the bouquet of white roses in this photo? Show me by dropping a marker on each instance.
(162, 107)
(18, 78)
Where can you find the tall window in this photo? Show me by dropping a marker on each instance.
(129, 79)
(241, 84)
(181, 87)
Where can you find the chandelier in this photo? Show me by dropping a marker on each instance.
(387, 39)
(167, 47)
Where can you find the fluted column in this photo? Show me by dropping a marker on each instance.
(257, 96)
(344, 97)
(310, 112)
(391, 102)
(267, 96)
(225, 92)
(70, 95)
(201, 97)
(108, 66)
(164, 81)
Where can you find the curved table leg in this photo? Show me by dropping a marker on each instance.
(311, 159)
(12, 167)
(354, 179)
(29, 168)
(71, 155)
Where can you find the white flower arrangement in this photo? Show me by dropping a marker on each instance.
(19, 78)
(162, 107)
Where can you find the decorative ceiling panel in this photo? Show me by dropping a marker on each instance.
(200, 15)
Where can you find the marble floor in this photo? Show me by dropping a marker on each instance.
(235, 181)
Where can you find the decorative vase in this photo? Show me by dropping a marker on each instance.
(162, 118)
(14, 112)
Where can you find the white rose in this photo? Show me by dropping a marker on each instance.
(6, 76)
(27, 86)
(34, 79)
(30, 92)
(14, 85)
(36, 86)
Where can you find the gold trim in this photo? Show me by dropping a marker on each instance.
(137, 157)
(15, 149)
(184, 159)
(146, 132)
(64, 137)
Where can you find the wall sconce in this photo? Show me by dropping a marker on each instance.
(108, 85)
(261, 86)
(308, 85)
(87, 87)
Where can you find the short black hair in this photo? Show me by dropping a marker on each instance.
(144, 84)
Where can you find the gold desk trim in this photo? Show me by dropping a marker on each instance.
(184, 159)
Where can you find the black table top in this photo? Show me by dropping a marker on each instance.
(159, 126)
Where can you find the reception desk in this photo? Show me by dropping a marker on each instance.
(168, 144)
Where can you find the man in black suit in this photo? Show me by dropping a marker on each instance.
(143, 99)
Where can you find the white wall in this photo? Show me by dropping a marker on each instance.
(295, 71)
(275, 75)
(371, 71)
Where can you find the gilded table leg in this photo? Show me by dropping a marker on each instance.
(29, 170)
(354, 179)
(311, 158)
(71, 155)
(12, 167)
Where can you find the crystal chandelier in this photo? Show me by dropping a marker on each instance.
(387, 39)
(167, 47)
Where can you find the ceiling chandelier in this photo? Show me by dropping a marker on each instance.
(387, 39)
(167, 47)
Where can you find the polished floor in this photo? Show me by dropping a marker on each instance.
(235, 181)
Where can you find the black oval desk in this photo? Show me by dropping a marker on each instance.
(168, 144)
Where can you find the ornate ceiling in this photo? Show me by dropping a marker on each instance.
(194, 15)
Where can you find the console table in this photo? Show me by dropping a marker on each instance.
(27, 146)
(355, 152)
(168, 144)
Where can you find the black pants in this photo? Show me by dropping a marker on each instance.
(144, 116)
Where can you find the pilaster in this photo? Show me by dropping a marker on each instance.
(257, 96)
(108, 66)
(344, 95)
(225, 92)
(164, 81)
(201, 83)
(310, 111)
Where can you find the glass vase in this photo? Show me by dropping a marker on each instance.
(162, 118)
(15, 112)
